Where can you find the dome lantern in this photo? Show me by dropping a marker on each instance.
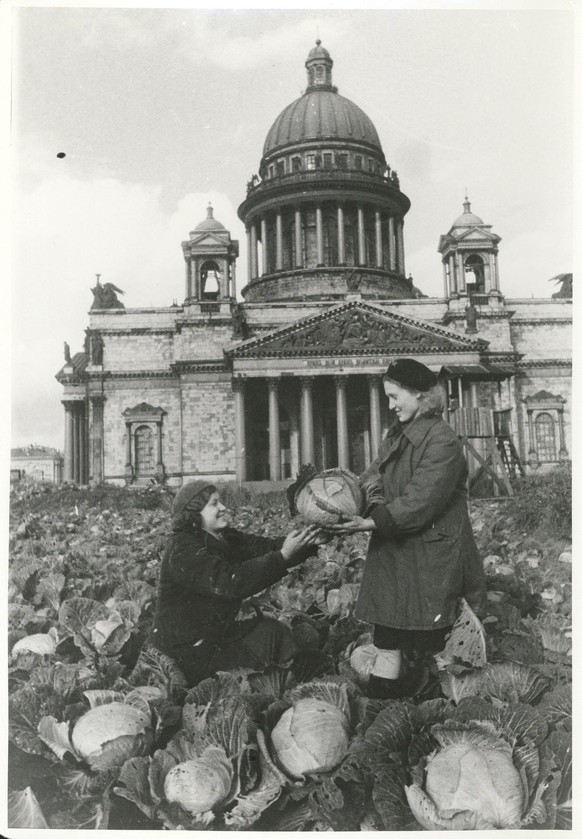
(319, 64)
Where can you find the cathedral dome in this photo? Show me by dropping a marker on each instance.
(209, 223)
(321, 115)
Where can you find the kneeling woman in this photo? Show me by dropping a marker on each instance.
(207, 570)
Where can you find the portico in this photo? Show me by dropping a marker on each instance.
(322, 401)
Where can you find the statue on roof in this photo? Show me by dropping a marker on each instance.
(565, 290)
(105, 296)
(67, 353)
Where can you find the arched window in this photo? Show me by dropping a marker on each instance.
(144, 451)
(545, 437)
(475, 274)
(209, 281)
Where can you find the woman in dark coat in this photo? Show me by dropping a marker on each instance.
(422, 556)
(207, 570)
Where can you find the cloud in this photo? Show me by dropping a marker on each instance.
(67, 229)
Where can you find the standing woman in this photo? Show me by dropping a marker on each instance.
(422, 555)
(207, 570)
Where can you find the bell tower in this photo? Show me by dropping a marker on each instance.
(469, 255)
(210, 256)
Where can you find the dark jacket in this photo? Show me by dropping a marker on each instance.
(423, 556)
(203, 581)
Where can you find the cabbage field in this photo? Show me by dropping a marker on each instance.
(103, 737)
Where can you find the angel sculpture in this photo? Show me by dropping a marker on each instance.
(566, 282)
(105, 296)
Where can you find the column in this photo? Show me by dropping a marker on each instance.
(254, 261)
(361, 237)
(474, 400)
(159, 461)
(306, 405)
(264, 245)
(341, 236)
(343, 443)
(298, 240)
(239, 430)
(445, 279)
(460, 391)
(274, 433)
(495, 273)
(375, 416)
(69, 450)
(379, 254)
(249, 255)
(97, 438)
(391, 245)
(188, 278)
(128, 463)
(530, 425)
(82, 444)
(453, 287)
(563, 453)
(76, 446)
(460, 273)
(400, 235)
(279, 229)
(319, 234)
(233, 280)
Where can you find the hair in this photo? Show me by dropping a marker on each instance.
(186, 520)
(432, 402)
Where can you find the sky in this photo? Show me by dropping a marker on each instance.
(159, 111)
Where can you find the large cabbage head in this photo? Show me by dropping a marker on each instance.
(329, 497)
(107, 735)
(200, 784)
(312, 736)
(470, 782)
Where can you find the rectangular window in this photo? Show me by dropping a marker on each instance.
(296, 164)
(280, 167)
(310, 161)
(341, 161)
(271, 171)
(371, 166)
(327, 160)
(358, 161)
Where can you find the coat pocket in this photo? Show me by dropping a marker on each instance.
(437, 534)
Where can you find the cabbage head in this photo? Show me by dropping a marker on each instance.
(471, 782)
(109, 734)
(115, 728)
(200, 784)
(471, 766)
(311, 736)
(330, 497)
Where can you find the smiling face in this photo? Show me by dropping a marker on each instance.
(214, 515)
(406, 403)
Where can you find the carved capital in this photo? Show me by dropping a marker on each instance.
(273, 384)
(341, 381)
(306, 382)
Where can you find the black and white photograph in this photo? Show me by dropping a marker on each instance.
(291, 416)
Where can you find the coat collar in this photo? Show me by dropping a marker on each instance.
(417, 430)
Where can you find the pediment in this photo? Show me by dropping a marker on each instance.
(356, 328)
(207, 240)
(477, 234)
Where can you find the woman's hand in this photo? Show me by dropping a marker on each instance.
(357, 524)
(297, 540)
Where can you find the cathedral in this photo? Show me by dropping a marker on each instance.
(249, 387)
